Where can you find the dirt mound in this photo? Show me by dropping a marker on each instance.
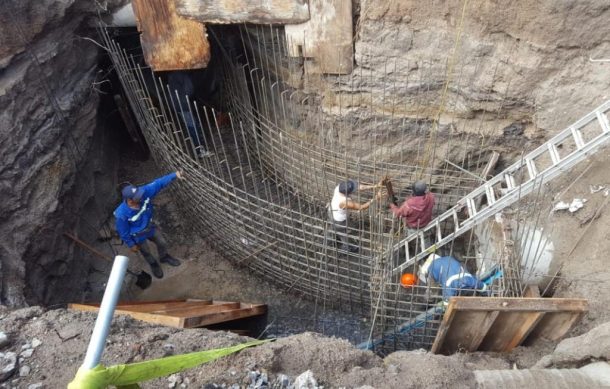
(51, 345)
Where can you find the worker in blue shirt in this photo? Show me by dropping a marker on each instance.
(449, 273)
(134, 222)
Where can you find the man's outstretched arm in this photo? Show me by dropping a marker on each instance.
(155, 187)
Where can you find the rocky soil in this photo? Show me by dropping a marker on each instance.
(56, 150)
(43, 349)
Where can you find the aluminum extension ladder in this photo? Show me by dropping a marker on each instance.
(557, 155)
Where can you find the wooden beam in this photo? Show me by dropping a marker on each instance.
(444, 327)
(491, 165)
(195, 310)
(169, 41)
(519, 304)
(244, 11)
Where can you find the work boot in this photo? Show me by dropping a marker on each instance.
(170, 260)
(156, 270)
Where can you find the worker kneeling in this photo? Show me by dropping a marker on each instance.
(449, 273)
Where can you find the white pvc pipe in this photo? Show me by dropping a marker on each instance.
(104, 316)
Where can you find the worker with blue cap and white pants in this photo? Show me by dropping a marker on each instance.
(134, 221)
(449, 273)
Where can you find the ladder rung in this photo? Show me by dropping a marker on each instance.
(580, 143)
(439, 235)
(489, 192)
(603, 121)
(472, 209)
(456, 220)
(531, 168)
(554, 153)
(510, 181)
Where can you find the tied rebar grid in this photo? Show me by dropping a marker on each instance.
(261, 197)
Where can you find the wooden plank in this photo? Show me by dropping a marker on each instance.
(84, 307)
(491, 165)
(197, 310)
(509, 330)
(170, 321)
(532, 291)
(473, 327)
(519, 304)
(444, 327)
(183, 313)
(169, 41)
(327, 37)
(154, 308)
(555, 325)
(244, 11)
(221, 317)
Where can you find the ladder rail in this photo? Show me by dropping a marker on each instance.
(515, 192)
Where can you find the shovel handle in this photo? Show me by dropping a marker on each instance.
(93, 250)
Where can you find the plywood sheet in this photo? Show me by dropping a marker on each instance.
(170, 41)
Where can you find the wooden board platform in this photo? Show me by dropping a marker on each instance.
(183, 313)
(501, 324)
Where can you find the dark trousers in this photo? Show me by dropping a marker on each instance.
(338, 231)
(161, 244)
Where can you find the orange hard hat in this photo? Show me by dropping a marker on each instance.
(407, 280)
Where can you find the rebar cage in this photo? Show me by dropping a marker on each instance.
(261, 175)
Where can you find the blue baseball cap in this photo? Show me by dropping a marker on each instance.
(132, 192)
(347, 187)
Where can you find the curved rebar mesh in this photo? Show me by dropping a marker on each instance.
(261, 193)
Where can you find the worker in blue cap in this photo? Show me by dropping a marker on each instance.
(134, 221)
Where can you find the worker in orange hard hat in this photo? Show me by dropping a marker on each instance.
(408, 280)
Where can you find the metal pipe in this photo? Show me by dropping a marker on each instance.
(104, 316)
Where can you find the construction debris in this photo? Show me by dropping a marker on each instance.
(572, 207)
